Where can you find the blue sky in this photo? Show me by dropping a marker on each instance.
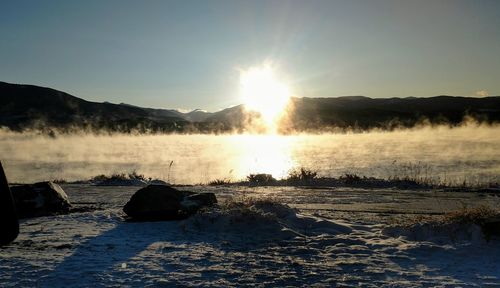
(187, 54)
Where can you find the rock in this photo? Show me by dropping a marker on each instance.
(491, 227)
(162, 202)
(158, 182)
(40, 199)
(197, 201)
(206, 199)
(155, 202)
(9, 225)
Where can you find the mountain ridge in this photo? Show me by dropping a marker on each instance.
(24, 106)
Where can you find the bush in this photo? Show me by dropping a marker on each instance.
(136, 176)
(130, 176)
(302, 175)
(261, 179)
(350, 178)
(216, 182)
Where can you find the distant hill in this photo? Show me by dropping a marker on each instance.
(365, 113)
(28, 106)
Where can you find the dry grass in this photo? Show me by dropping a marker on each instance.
(477, 215)
(123, 176)
(301, 175)
(218, 182)
(245, 209)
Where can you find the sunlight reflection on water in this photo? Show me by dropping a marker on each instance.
(471, 153)
(269, 154)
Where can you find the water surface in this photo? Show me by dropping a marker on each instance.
(470, 153)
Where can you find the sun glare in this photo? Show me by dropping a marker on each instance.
(262, 91)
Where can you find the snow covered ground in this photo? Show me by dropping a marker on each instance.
(336, 237)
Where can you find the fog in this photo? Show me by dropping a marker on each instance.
(470, 152)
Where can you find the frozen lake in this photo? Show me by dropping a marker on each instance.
(469, 153)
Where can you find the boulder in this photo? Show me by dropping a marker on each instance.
(158, 182)
(491, 227)
(9, 225)
(162, 202)
(203, 199)
(193, 203)
(40, 199)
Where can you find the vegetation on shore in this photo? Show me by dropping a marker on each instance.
(408, 176)
(116, 177)
(413, 176)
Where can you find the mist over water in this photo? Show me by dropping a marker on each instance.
(470, 153)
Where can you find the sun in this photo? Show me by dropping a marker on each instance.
(262, 91)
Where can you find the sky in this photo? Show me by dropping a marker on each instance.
(189, 54)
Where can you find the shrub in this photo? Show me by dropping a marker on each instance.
(130, 176)
(136, 176)
(302, 175)
(216, 182)
(261, 179)
(350, 178)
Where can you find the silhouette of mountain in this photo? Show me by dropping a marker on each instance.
(197, 115)
(28, 106)
(365, 113)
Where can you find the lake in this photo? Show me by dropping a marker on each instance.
(470, 153)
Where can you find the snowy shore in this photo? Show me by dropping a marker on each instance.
(324, 237)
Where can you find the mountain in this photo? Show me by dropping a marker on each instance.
(197, 115)
(365, 113)
(28, 106)
(25, 106)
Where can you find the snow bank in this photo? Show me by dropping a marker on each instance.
(260, 221)
(440, 233)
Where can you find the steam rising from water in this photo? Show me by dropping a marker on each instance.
(470, 152)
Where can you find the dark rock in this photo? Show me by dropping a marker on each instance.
(9, 225)
(155, 202)
(158, 182)
(40, 199)
(162, 202)
(491, 227)
(195, 202)
(205, 199)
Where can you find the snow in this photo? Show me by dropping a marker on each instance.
(260, 223)
(453, 233)
(298, 244)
